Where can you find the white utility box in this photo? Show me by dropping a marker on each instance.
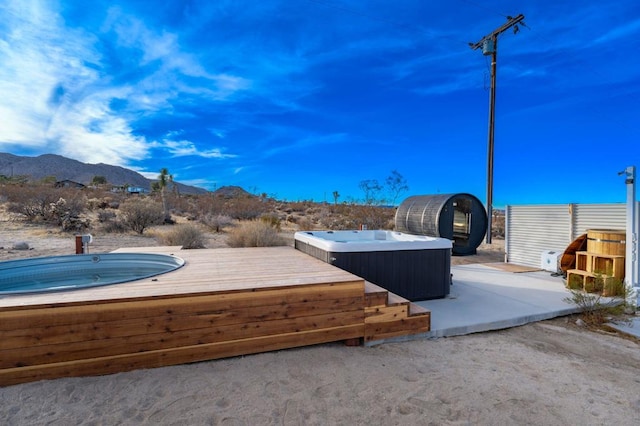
(550, 260)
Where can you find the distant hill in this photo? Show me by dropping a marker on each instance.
(231, 192)
(62, 168)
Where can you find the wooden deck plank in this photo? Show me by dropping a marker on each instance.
(385, 314)
(400, 327)
(415, 310)
(160, 358)
(374, 295)
(119, 310)
(85, 349)
(172, 322)
(209, 270)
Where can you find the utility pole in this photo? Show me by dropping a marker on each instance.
(489, 44)
(632, 268)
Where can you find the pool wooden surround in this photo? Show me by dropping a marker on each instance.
(222, 303)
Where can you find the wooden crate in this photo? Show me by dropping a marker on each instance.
(603, 264)
(587, 281)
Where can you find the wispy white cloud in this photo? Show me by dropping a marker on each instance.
(57, 95)
(177, 146)
(202, 183)
(148, 175)
(170, 69)
(52, 93)
(183, 148)
(218, 133)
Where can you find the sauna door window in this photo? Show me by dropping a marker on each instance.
(461, 221)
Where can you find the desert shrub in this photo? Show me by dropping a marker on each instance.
(271, 220)
(614, 287)
(209, 205)
(141, 213)
(374, 217)
(106, 216)
(245, 208)
(254, 233)
(594, 310)
(66, 214)
(114, 227)
(180, 204)
(299, 206)
(33, 202)
(186, 235)
(216, 222)
(338, 222)
(61, 207)
(574, 282)
(305, 224)
(97, 203)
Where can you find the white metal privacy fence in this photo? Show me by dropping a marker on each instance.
(530, 230)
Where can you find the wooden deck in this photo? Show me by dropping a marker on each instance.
(222, 303)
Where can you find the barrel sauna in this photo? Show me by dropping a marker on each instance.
(459, 217)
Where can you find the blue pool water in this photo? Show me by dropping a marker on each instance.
(60, 273)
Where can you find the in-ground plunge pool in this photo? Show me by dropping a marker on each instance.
(60, 273)
(416, 267)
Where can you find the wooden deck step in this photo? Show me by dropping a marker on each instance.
(388, 315)
(378, 296)
(417, 310)
(374, 295)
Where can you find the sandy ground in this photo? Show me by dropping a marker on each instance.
(541, 374)
(546, 373)
(47, 241)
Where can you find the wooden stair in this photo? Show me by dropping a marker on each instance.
(596, 272)
(388, 315)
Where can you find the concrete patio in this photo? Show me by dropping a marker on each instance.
(484, 298)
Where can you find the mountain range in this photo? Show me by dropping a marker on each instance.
(62, 168)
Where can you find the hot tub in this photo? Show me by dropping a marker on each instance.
(416, 267)
(60, 273)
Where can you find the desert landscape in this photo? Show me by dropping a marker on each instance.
(552, 372)
(192, 140)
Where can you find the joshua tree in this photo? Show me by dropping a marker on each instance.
(396, 184)
(336, 195)
(163, 180)
(371, 189)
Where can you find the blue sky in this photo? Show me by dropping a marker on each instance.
(298, 99)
